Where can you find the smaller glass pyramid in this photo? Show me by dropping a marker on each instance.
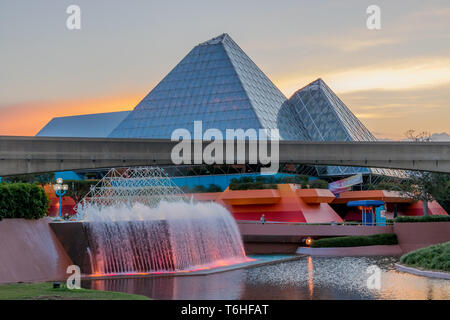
(327, 118)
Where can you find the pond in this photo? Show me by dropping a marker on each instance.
(308, 278)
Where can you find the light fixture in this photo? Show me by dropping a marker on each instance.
(308, 241)
(60, 190)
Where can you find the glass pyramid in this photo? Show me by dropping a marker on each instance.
(217, 83)
(327, 118)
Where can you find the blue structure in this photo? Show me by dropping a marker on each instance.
(223, 180)
(373, 211)
(97, 125)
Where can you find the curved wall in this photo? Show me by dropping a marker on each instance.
(416, 235)
(30, 252)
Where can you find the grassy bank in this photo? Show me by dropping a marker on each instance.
(435, 257)
(45, 291)
(356, 241)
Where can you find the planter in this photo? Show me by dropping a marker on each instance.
(381, 250)
(29, 252)
(421, 272)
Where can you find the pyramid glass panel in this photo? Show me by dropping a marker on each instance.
(218, 84)
(327, 118)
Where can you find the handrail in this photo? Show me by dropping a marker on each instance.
(388, 223)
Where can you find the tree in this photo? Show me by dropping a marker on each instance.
(79, 188)
(318, 184)
(41, 178)
(425, 186)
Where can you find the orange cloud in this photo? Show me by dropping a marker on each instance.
(26, 119)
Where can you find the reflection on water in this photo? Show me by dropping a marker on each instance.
(227, 285)
(308, 278)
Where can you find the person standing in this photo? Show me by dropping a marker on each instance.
(263, 219)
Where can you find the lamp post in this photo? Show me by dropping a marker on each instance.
(60, 190)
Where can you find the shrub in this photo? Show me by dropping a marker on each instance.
(318, 184)
(79, 188)
(422, 218)
(435, 257)
(261, 182)
(356, 241)
(202, 189)
(23, 200)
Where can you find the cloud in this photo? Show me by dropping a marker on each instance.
(393, 76)
(443, 136)
(358, 42)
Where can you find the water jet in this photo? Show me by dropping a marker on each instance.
(138, 222)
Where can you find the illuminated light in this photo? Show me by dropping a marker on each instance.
(308, 241)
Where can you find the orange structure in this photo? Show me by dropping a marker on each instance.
(289, 203)
(434, 208)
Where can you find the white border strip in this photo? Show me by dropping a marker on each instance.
(425, 273)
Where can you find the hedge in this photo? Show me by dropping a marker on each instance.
(422, 218)
(202, 189)
(23, 200)
(435, 257)
(271, 182)
(356, 241)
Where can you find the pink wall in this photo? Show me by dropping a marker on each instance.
(280, 229)
(352, 251)
(30, 252)
(415, 235)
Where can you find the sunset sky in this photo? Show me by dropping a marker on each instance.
(393, 79)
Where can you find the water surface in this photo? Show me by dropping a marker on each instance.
(307, 278)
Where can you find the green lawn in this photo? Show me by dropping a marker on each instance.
(435, 257)
(45, 291)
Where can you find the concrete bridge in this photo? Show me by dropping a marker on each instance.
(23, 155)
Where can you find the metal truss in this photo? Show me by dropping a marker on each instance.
(127, 186)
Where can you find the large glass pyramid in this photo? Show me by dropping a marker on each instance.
(218, 84)
(327, 118)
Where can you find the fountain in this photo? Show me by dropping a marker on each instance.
(139, 222)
